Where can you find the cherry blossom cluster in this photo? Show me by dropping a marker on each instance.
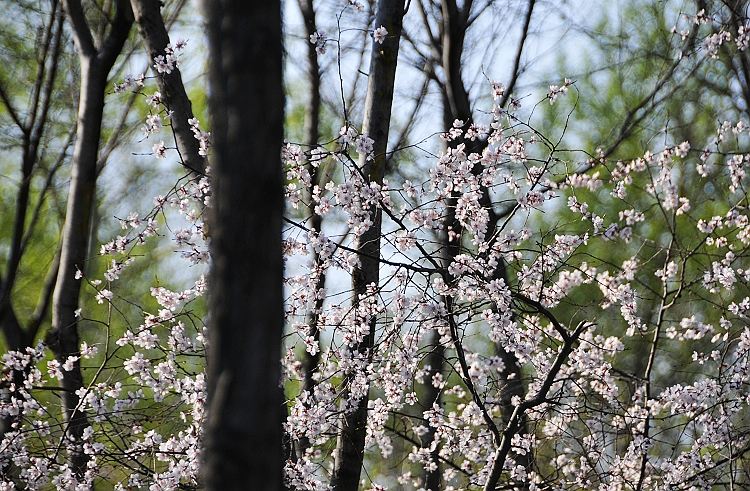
(137, 365)
(540, 300)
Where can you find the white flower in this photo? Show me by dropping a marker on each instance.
(53, 369)
(103, 295)
(555, 91)
(363, 144)
(160, 150)
(318, 38)
(379, 34)
(88, 351)
(154, 99)
(87, 433)
(70, 363)
(168, 61)
(153, 124)
(498, 90)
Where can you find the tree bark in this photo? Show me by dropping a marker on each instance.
(154, 33)
(74, 247)
(63, 338)
(350, 442)
(450, 248)
(243, 434)
(312, 135)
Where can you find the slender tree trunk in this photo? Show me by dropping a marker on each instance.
(455, 106)
(454, 31)
(33, 128)
(450, 248)
(63, 338)
(154, 33)
(433, 397)
(17, 336)
(312, 136)
(243, 435)
(350, 441)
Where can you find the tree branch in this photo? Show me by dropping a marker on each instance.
(153, 30)
(81, 31)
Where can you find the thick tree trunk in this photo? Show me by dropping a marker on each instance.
(350, 442)
(243, 435)
(154, 33)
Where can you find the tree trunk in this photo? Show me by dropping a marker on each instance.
(457, 105)
(245, 408)
(350, 442)
(63, 338)
(450, 247)
(312, 135)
